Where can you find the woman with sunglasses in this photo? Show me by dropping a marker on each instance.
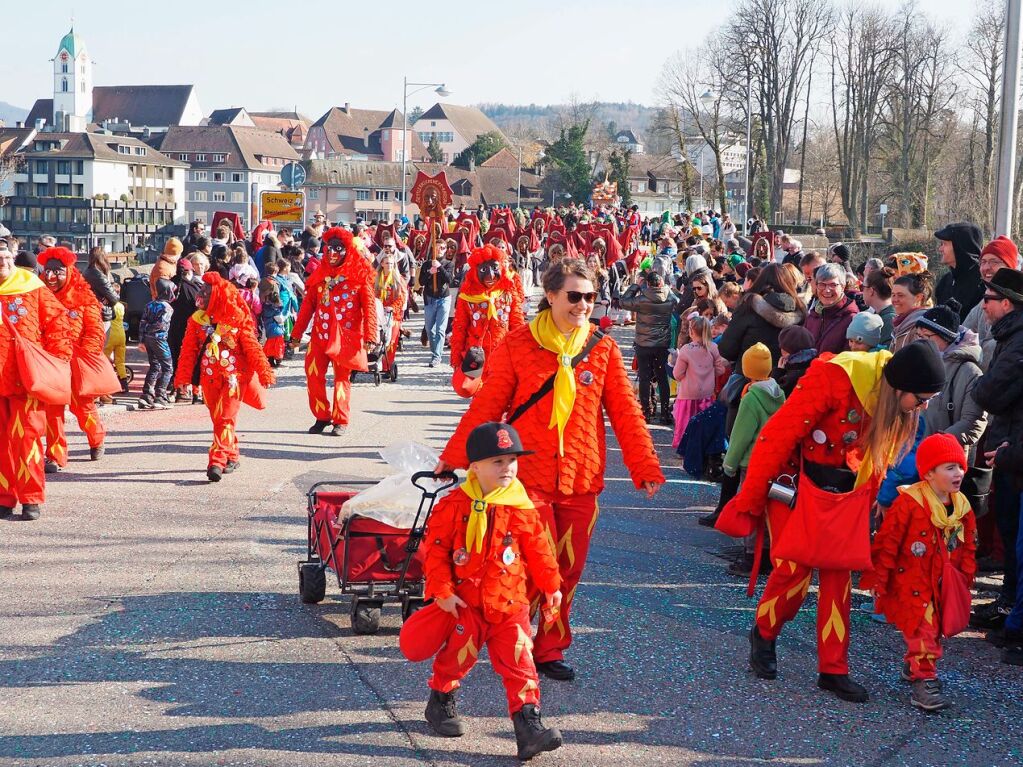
(564, 429)
(848, 420)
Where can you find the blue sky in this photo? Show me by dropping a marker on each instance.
(322, 54)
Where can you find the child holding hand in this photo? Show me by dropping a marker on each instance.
(481, 543)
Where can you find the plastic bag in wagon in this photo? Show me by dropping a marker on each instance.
(394, 500)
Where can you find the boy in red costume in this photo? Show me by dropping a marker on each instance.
(927, 517)
(85, 325)
(340, 304)
(31, 311)
(481, 543)
(223, 332)
(488, 307)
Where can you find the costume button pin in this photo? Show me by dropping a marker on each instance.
(508, 556)
(918, 549)
(586, 378)
(853, 416)
(819, 437)
(460, 557)
(849, 437)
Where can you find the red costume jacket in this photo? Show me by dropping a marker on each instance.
(341, 295)
(490, 580)
(37, 316)
(515, 371)
(85, 318)
(908, 562)
(237, 353)
(473, 325)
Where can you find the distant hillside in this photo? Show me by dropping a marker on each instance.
(543, 120)
(10, 114)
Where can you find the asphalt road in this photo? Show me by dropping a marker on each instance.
(151, 618)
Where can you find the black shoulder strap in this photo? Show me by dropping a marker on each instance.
(540, 393)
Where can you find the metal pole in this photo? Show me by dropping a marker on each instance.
(704, 146)
(1008, 123)
(518, 204)
(404, 138)
(749, 134)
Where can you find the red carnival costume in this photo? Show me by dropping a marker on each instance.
(563, 484)
(492, 582)
(822, 420)
(340, 304)
(31, 310)
(224, 334)
(85, 329)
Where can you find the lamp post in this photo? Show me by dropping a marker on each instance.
(1008, 123)
(749, 133)
(707, 100)
(441, 91)
(518, 189)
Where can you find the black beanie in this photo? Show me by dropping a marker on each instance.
(842, 252)
(916, 368)
(942, 320)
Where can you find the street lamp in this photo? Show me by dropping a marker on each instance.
(707, 99)
(441, 91)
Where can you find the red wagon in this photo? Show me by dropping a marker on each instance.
(374, 562)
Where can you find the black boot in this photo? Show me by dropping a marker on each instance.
(843, 687)
(442, 715)
(319, 426)
(666, 418)
(762, 656)
(95, 453)
(214, 473)
(30, 511)
(709, 520)
(990, 615)
(6, 512)
(556, 669)
(531, 736)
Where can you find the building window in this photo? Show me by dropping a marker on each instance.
(218, 177)
(200, 158)
(199, 196)
(64, 167)
(444, 157)
(361, 194)
(447, 136)
(314, 194)
(218, 158)
(34, 214)
(63, 84)
(81, 215)
(343, 195)
(78, 190)
(82, 87)
(63, 215)
(382, 195)
(140, 151)
(219, 197)
(63, 67)
(41, 166)
(236, 178)
(183, 157)
(424, 137)
(237, 197)
(21, 190)
(79, 167)
(42, 190)
(199, 175)
(433, 123)
(63, 190)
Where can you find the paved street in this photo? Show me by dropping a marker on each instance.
(151, 618)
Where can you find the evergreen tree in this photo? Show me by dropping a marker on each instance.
(434, 150)
(618, 171)
(570, 171)
(482, 149)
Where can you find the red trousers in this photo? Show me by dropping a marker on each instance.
(223, 406)
(22, 423)
(508, 644)
(569, 520)
(337, 408)
(86, 412)
(786, 589)
(923, 649)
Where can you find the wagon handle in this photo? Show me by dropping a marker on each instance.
(450, 476)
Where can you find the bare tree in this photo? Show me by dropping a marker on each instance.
(823, 181)
(862, 55)
(772, 41)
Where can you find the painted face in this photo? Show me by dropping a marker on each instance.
(55, 275)
(336, 253)
(488, 273)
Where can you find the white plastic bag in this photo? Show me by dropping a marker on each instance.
(395, 500)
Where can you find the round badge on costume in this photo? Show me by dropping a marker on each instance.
(849, 437)
(853, 416)
(819, 437)
(586, 378)
(918, 549)
(508, 556)
(460, 557)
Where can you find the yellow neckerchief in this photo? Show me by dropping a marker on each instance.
(553, 340)
(20, 281)
(219, 332)
(476, 529)
(490, 298)
(864, 370)
(922, 493)
(200, 316)
(385, 284)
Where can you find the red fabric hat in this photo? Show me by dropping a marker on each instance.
(226, 303)
(63, 255)
(1003, 248)
(423, 634)
(496, 234)
(471, 284)
(339, 233)
(938, 449)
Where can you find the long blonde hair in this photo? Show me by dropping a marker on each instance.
(891, 432)
(699, 332)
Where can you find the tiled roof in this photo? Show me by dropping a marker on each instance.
(100, 147)
(468, 122)
(227, 116)
(42, 109)
(140, 105)
(358, 173)
(242, 146)
(504, 158)
(348, 129)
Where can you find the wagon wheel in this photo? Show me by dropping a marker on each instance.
(411, 607)
(312, 582)
(365, 616)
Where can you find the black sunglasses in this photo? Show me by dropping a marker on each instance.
(575, 296)
(992, 298)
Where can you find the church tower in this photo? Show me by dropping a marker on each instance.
(72, 85)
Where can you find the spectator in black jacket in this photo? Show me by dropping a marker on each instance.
(770, 305)
(653, 303)
(436, 276)
(97, 274)
(959, 246)
(1000, 393)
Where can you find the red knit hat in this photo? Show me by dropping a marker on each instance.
(63, 255)
(1005, 249)
(938, 449)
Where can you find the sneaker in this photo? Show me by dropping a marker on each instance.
(708, 520)
(531, 737)
(442, 715)
(197, 399)
(905, 675)
(124, 385)
(162, 403)
(145, 403)
(337, 430)
(742, 566)
(30, 511)
(927, 695)
(51, 466)
(991, 615)
(843, 687)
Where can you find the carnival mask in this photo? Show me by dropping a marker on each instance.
(336, 253)
(55, 275)
(488, 272)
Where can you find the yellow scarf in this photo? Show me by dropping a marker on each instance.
(490, 298)
(20, 281)
(553, 340)
(383, 284)
(476, 529)
(864, 370)
(922, 493)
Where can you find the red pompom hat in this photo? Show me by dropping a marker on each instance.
(938, 449)
(1005, 249)
(63, 255)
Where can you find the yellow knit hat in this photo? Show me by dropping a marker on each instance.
(757, 363)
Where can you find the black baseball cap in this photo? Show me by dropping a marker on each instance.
(492, 439)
